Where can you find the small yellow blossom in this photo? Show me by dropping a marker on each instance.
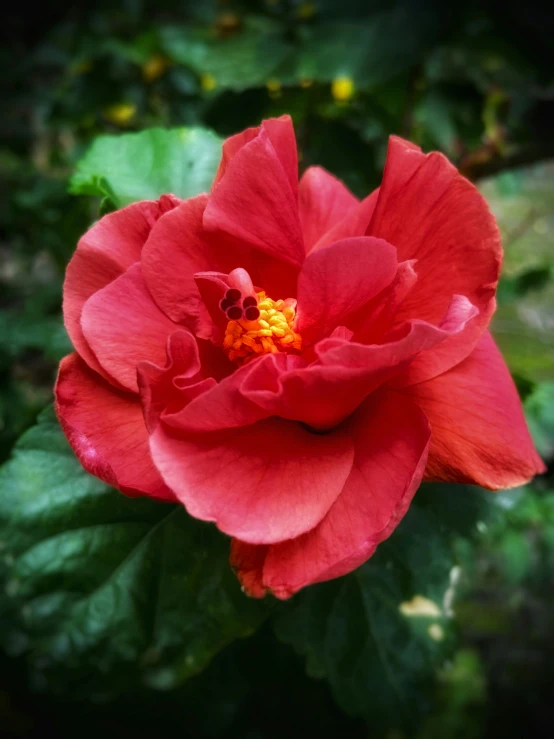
(208, 82)
(342, 88)
(121, 113)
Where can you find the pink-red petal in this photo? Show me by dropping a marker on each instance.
(105, 251)
(106, 429)
(479, 434)
(226, 405)
(124, 326)
(179, 247)
(391, 440)
(345, 373)
(255, 204)
(433, 214)
(323, 201)
(168, 389)
(263, 483)
(338, 280)
(280, 132)
(354, 223)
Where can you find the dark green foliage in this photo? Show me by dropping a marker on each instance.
(104, 592)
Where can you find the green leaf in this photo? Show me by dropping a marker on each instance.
(103, 591)
(523, 203)
(142, 166)
(539, 411)
(380, 633)
(362, 50)
(245, 60)
(523, 327)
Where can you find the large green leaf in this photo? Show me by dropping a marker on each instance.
(379, 634)
(141, 166)
(102, 591)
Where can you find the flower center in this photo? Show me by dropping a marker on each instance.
(258, 325)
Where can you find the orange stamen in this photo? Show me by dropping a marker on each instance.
(272, 332)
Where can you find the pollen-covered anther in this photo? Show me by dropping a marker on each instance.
(267, 328)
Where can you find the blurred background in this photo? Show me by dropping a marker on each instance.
(474, 80)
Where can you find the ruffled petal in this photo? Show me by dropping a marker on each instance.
(171, 387)
(106, 429)
(106, 250)
(323, 201)
(226, 406)
(124, 326)
(433, 214)
(263, 483)
(324, 393)
(255, 204)
(338, 280)
(391, 439)
(479, 434)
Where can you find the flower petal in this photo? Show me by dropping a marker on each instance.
(479, 434)
(179, 247)
(433, 214)
(338, 280)
(391, 441)
(377, 318)
(106, 250)
(124, 326)
(323, 201)
(331, 388)
(255, 204)
(226, 406)
(280, 132)
(263, 483)
(354, 223)
(169, 388)
(106, 429)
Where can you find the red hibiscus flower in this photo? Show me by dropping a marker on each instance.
(289, 362)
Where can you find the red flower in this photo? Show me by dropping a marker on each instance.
(289, 362)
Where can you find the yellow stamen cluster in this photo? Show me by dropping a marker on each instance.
(272, 332)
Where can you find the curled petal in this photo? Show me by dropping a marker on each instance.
(331, 388)
(171, 387)
(433, 214)
(226, 406)
(262, 483)
(106, 250)
(106, 429)
(124, 326)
